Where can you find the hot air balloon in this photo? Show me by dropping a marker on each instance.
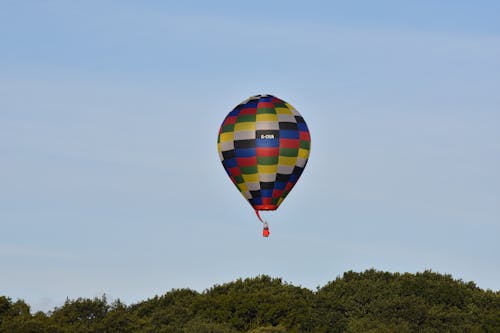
(264, 145)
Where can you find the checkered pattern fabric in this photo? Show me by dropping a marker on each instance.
(264, 145)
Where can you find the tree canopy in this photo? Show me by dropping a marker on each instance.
(370, 301)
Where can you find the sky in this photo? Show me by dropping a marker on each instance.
(110, 181)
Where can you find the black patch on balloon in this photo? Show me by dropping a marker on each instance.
(299, 119)
(266, 185)
(288, 126)
(255, 194)
(267, 134)
(282, 178)
(244, 144)
(228, 154)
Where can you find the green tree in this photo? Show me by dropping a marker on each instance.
(369, 301)
(16, 318)
(269, 329)
(82, 315)
(199, 325)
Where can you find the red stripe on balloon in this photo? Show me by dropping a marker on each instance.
(277, 193)
(248, 111)
(265, 105)
(246, 161)
(267, 201)
(305, 136)
(235, 171)
(289, 143)
(230, 120)
(268, 151)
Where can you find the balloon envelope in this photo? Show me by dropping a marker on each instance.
(264, 145)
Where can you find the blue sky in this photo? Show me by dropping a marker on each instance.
(110, 180)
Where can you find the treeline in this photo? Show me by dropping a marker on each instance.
(371, 301)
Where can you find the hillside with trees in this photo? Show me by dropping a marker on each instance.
(371, 301)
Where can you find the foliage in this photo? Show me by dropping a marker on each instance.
(371, 301)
